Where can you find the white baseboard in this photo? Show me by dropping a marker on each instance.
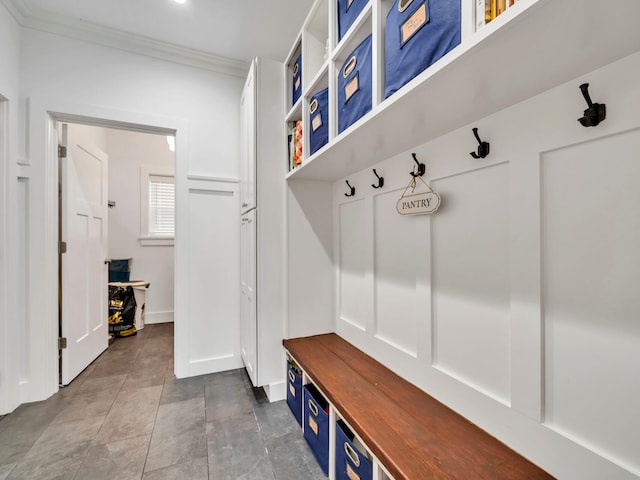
(276, 391)
(158, 317)
(206, 366)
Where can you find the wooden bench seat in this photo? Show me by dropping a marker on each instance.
(413, 435)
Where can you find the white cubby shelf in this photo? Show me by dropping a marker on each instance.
(532, 47)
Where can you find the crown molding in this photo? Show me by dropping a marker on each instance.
(36, 19)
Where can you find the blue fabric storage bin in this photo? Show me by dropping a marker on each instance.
(354, 86)
(348, 11)
(297, 79)
(316, 425)
(294, 393)
(319, 120)
(423, 32)
(350, 462)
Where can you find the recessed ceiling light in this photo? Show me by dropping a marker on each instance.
(180, 1)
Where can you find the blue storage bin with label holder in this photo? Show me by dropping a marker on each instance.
(319, 120)
(297, 80)
(418, 33)
(294, 392)
(316, 426)
(354, 86)
(348, 11)
(350, 461)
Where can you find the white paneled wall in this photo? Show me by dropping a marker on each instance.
(591, 278)
(213, 338)
(353, 263)
(516, 303)
(22, 282)
(470, 279)
(396, 312)
(10, 315)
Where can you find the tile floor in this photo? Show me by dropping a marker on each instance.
(127, 417)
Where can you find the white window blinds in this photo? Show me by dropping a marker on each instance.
(161, 206)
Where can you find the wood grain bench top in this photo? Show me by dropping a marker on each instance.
(411, 433)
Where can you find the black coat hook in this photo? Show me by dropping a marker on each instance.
(380, 180)
(483, 147)
(352, 190)
(421, 167)
(596, 112)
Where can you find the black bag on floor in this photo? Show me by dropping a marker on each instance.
(122, 311)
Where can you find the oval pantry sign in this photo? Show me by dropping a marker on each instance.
(418, 204)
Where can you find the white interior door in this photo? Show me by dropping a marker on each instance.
(84, 228)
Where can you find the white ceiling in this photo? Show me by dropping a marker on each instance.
(227, 32)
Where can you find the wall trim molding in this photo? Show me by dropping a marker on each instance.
(206, 178)
(38, 19)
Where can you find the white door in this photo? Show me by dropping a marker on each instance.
(248, 326)
(84, 228)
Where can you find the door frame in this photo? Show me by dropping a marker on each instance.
(42, 315)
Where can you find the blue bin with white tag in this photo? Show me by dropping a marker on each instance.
(316, 425)
(319, 120)
(354, 86)
(297, 79)
(348, 11)
(350, 461)
(418, 33)
(294, 392)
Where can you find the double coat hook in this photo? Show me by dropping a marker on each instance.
(596, 112)
(352, 190)
(380, 180)
(421, 168)
(483, 147)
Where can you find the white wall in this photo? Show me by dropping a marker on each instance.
(12, 340)
(516, 303)
(72, 71)
(128, 151)
(61, 76)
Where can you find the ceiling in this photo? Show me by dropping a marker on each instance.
(221, 35)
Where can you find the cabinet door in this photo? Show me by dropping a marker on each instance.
(248, 142)
(248, 313)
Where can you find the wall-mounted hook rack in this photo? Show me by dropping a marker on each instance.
(483, 147)
(421, 167)
(352, 190)
(596, 112)
(380, 180)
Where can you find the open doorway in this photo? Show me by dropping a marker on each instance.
(140, 224)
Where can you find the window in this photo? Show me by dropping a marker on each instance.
(161, 206)
(157, 206)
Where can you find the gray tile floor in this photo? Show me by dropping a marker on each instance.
(127, 417)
